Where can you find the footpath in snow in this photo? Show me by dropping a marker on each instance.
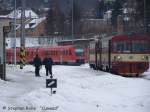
(80, 89)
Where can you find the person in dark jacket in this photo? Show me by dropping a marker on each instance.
(37, 63)
(48, 62)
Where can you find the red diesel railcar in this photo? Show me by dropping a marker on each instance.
(126, 55)
(60, 54)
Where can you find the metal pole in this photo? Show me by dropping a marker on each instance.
(22, 39)
(4, 57)
(22, 24)
(5, 33)
(72, 20)
(15, 32)
(145, 28)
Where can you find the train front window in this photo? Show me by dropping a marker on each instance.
(79, 52)
(140, 46)
(121, 46)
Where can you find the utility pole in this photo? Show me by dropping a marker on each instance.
(145, 26)
(14, 32)
(23, 23)
(22, 40)
(72, 29)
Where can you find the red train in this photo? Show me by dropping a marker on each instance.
(60, 54)
(126, 55)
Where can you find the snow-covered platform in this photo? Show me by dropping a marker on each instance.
(80, 89)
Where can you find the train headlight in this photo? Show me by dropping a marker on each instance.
(144, 57)
(117, 58)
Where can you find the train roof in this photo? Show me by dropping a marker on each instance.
(43, 47)
(131, 37)
(66, 46)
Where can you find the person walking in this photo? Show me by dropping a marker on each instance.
(37, 63)
(48, 62)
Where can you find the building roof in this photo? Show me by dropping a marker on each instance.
(28, 14)
(35, 22)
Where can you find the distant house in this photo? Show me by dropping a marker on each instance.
(34, 25)
(29, 14)
(4, 20)
(96, 26)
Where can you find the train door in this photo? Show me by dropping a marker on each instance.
(92, 56)
(99, 50)
(100, 55)
(109, 55)
(96, 55)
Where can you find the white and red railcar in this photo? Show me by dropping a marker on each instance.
(126, 55)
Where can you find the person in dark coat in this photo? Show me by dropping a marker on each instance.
(37, 63)
(48, 62)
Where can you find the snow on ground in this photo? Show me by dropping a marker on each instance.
(80, 89)
(146, 75)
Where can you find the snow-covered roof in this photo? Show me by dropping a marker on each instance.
(3, 16)
(34, 22)
(28, 14)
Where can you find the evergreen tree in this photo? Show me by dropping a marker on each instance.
(49, 26)
(18, 3)
(75, 15)
(55, 21)
(117, 10)
(143, 13)
(100, 9)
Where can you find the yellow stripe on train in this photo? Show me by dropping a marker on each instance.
(130, 57)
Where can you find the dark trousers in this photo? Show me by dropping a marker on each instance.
(37, 69)
(48, 70)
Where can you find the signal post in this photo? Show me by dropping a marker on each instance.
(22, 40)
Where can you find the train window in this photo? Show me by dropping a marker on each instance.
(79, 52)
(121, 46)
(139, 46)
